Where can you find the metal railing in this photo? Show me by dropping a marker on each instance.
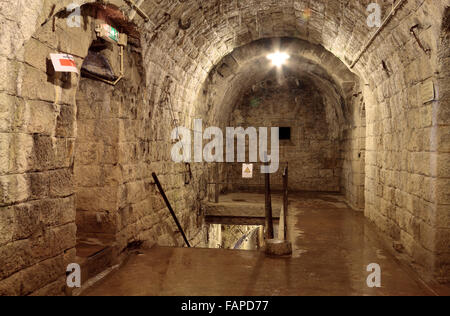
(163, 194)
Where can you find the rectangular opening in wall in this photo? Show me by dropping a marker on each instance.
(237, 237)
(285, 133)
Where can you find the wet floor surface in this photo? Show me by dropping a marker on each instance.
(332, 247)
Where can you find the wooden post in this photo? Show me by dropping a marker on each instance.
(217, 185)
(285, 199)
(269, 219)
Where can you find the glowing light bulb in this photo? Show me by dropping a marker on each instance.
(278, 59)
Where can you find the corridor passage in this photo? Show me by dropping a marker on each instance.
(332, 247)
(130, 129)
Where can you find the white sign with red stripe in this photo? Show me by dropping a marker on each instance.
(64, 63)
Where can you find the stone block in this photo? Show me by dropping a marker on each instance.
(46, 35)
(37, 54)
(55, 288)
(64, 152)
(441, 190)
(87, 152)
(108, 154)
(442, 218)
(5, 142)
(97, 199)
(65, 122)
(20, 115)
(86, 109)
(39, 185)
(33, 278)
(443, 165)
(442, 241)
(13, 189)
(75, 40)
(442, 268)
(96, 222)
(22, 254)
(135, 191)
(6, 112)
(111, 175)
(442, 139)
(7, 225)
(43, 154)
(87, 176)
(55, 212)
(41, 117)
(61, 183)
(107, 131)
(37, 85)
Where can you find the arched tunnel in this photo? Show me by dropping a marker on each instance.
(93, 92)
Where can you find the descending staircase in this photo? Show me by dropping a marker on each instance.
(94, 256)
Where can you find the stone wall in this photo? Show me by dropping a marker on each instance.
(406, 178)
(403, 186)
(50, 167)
(38, 133)
(402, 192)
(246, 68)
(96, 169)
(353, 154)
(313, 155)
(442, 146)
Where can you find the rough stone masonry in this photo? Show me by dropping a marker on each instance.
(77, 153)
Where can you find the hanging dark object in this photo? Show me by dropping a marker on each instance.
(97, 64)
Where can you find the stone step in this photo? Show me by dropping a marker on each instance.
(93, 259)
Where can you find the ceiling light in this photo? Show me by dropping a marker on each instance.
(278, 59)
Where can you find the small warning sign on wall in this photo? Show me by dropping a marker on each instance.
(247, 171)
(64, 63)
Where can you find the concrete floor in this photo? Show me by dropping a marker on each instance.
(332, 246)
